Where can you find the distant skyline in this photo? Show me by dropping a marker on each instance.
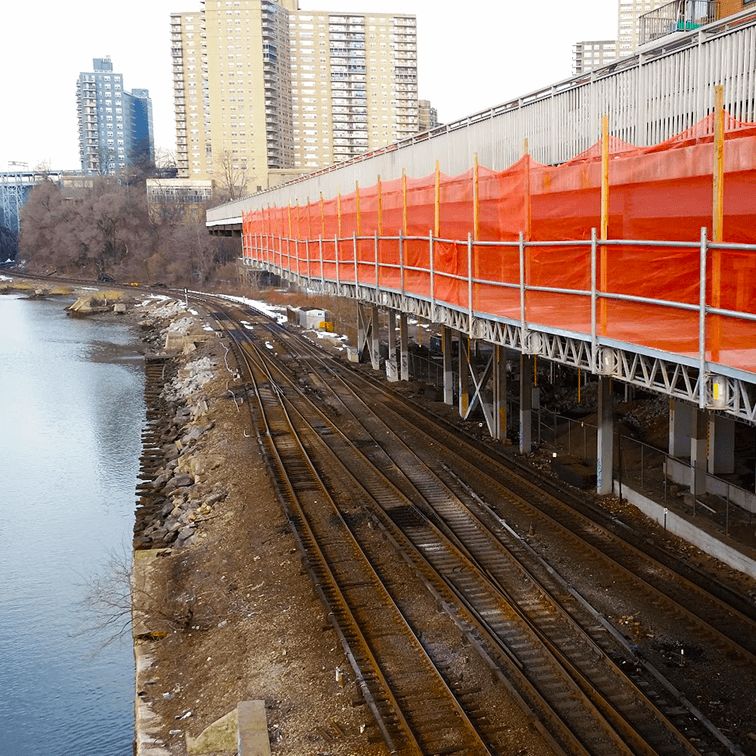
(471, 56)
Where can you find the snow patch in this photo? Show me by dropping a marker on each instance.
(275, 312)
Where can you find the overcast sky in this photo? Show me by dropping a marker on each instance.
(471, 55)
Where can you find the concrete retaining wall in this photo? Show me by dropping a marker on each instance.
(689, 532)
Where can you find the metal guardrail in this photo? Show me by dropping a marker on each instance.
(286, 253)
(675, 17)
(694, 378)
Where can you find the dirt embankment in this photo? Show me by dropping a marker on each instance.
(223, 610)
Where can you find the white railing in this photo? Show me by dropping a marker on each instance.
(649, 97)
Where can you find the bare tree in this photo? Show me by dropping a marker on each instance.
(107, 229)
(232, 177)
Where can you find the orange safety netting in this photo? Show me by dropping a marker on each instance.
(663, 192)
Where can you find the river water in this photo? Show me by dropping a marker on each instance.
(71, 412)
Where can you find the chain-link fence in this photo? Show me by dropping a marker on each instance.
(653, 473)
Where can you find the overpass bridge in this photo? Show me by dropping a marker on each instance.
(15, 188)
(631, 258)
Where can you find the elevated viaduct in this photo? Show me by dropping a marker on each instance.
(606, 223)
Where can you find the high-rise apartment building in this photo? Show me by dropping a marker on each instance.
(115, 127)
(591, 54)
(190, 97)
(264, 91)
(629, 23)
(427, 116)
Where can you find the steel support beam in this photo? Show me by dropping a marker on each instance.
(526, 404)
(392, 370)
(362, 331)
(499, 393)
(681, 419)
(375, 339)
(464, 374)
(698, 444)
(403, 347)
(605, 437)
(448, 356)
(721, 456)
(368, 334)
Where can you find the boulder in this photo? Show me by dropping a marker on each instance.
(179, 481)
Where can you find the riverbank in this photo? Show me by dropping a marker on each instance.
(223, 610)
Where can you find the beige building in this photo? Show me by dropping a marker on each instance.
(193, 155)
(629, 23)
(264, 91)
(427, 116)
(592, 54)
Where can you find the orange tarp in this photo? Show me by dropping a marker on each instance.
(663, 192)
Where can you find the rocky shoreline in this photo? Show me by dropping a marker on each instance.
(174, 496)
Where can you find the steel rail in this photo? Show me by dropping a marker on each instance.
(691, 711)
(452, 505)
(625, 727)
(480, 746)
(740, 638)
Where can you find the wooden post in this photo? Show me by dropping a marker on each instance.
(357, 206)
(437, 202)
(338, 214)
(528, 216)
(322, 217)
(404, 201)
(717, 215)
(717, 219)
(380, 207)
(475, 272)
(288, 243)
(603, 272)
(476, 198)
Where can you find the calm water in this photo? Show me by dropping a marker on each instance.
(70, 421)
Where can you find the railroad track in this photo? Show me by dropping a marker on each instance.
(416, 709)
(694, 604)
(729, 620)
(654, 732)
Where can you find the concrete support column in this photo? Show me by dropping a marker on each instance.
(605, 437)
(375, 339)
(464, 374)
(500, 393)
(403, 347)
(698, 454)
(526, 403)
(446, 349)
(721, 445)
(681, 418)
(392, 371)
(361, 332)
